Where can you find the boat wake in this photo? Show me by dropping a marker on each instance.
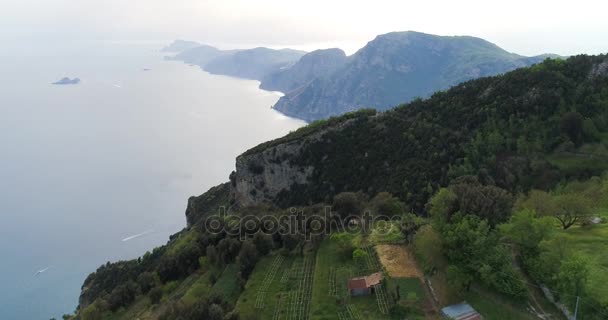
(137, 235)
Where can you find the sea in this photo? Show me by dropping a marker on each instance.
(101, 170)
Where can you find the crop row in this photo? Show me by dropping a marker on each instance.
(270, 274)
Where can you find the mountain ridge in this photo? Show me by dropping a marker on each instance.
(397, 67)
(390, 69)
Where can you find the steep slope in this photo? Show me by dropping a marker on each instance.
(500, 127)
(253, 63)
(395, 68)
(315, 64)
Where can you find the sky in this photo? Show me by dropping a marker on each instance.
(526, 27)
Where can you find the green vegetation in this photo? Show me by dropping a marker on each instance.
(497, 182)
(507, 130)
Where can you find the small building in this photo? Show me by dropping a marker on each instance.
(363, 286)
(461, 311)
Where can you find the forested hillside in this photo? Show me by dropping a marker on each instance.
(489, 177)
(530, 128)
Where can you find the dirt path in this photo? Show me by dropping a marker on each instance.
(534, 291)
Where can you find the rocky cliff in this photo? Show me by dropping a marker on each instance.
(272, 170)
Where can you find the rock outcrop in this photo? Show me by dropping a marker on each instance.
(600, 70)
(265, 172)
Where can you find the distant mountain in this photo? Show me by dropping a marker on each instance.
(312, 65)
(66, 80)
(200, 55)
(253, 63)
(180, 45)
(395, 68)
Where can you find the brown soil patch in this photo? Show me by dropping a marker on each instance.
(398, 261)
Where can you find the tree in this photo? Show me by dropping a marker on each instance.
(360, 258)
(247, 258)
(410, 223)
(475, 250)
(526, 230)
(263, 242)
(228, 249)
(572, 276)
(385, 204)
(147, 281)
(568, 208)
(571, 208)
(441, 207)
(428, 246)
(540, 202)
(347, 203)
(291, 241)
(343, 240)
(155, 295)
(212, 255)
(458, 279)
(489, 202)
(122, 295)
(572, 126)
(92, 312)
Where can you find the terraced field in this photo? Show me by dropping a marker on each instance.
(330, 297)
(279, 288)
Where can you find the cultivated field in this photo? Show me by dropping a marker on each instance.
(279, 288)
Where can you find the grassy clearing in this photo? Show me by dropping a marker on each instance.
(495, 307)
(592, 242)
(409, 288)
(588, 158)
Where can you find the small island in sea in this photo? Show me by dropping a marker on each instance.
(67, 80)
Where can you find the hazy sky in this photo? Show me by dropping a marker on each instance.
(521, 26)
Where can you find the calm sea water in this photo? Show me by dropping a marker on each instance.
(83, 167)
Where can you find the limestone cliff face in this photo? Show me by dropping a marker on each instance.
(260, 177)
(267, 170)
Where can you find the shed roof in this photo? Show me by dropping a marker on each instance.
(365, 282)
(357, 283)
(461, 311)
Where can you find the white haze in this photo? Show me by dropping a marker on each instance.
(526, 27)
